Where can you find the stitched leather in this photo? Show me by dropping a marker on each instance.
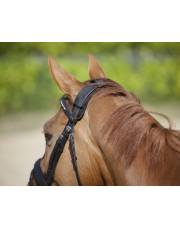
(79, 107)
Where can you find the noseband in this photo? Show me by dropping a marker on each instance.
(79, 107)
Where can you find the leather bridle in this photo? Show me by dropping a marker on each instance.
(79, 107)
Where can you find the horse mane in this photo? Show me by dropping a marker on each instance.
(130, 127)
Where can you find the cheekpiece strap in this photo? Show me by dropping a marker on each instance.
(79, 107)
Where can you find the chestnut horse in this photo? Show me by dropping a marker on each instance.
(117, 141)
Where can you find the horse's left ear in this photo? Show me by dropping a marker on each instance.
(95, 69)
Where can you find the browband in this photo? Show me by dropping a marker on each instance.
(78, 110)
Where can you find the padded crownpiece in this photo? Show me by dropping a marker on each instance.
(81, 101)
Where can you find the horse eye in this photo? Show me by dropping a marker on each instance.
(47, 137)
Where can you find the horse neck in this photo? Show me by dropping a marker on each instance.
(171, 167)
(138, 172)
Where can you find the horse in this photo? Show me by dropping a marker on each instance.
(117, 141)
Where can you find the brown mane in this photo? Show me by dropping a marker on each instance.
(131, 127)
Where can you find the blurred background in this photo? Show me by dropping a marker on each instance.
(29, 95)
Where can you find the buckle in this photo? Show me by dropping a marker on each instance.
(59, 140)
(68, 129)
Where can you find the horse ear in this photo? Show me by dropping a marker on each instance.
(65, 80)
(95, 69)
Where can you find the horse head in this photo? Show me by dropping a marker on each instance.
(117, 142)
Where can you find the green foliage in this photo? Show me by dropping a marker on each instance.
(82, 47)
(150, 70)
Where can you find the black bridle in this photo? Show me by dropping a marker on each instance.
(79, 107)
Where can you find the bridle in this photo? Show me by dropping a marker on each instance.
(78, 110)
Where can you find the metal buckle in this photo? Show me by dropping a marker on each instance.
(69, 129)
(61, 136)
(59, 140)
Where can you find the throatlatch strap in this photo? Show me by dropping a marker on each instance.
(74, 158)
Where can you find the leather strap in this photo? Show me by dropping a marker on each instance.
(79, 107)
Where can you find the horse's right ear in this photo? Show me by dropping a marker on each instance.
(95, 69)
(65, 80)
